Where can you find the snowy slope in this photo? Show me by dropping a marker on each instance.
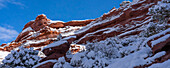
(2, 55)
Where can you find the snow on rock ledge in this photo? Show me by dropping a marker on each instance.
(58, 43)
(46, 64)
(55, 50)
(56, 47)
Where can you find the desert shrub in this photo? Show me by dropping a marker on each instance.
(160, 14)
(23, 58)
(154, 28)
(61, 63)
(161, 11)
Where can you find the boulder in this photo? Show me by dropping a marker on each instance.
(57, 47)
(55, 50)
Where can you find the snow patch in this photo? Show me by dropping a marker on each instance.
(2, 55)
(27, 29)
(69, 30)
(161, 65)
(134, 59)
(164, 38)
(53, 61)
(66, 38)
(157, 55)
(58, 43)
(54, 21)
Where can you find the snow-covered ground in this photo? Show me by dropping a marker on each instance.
(2, 55)
(160, 65)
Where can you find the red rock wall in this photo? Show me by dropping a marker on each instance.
(78, 23)
(126, 17)
(41, 26)
(92, 33)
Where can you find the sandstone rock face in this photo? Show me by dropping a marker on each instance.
(123, 22)
(122, 17)
(43, 31)
(61, 49)
(3, 44)
(78, 23)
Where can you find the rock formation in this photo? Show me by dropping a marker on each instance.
(122, 22)
(43, 31)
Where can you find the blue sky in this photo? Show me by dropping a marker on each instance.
(14, 14)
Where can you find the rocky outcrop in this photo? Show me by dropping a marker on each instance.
(43, 31)
(3, 44)
(60, 48)
(55, 50)
(120, 22)
(123, 22)
(78, 22)
(125, 15)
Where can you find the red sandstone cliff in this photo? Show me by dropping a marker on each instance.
(43, 31)
(122, 22)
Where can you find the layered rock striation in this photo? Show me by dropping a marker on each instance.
(131, 19)
(43, 31)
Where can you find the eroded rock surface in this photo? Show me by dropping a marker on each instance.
(43, 31)
(128, 20)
